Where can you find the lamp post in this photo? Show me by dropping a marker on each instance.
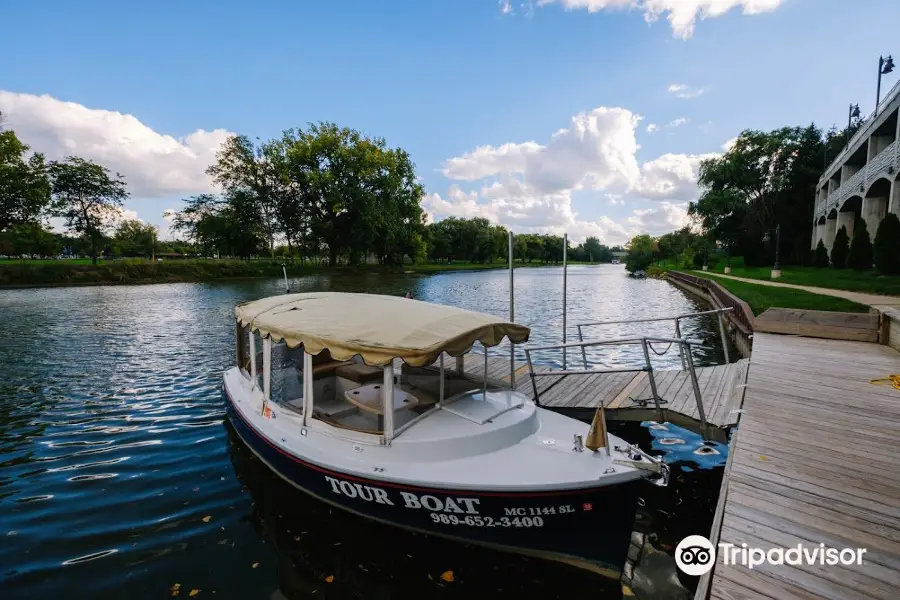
(885, 66)
(776, 268)
(727, 258)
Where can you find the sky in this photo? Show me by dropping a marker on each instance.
(586, 117)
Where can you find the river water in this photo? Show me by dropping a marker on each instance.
(120, 477)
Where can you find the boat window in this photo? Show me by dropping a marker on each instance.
(243, 347)
(287, 376)
(258, 347)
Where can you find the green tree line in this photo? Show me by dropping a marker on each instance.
(324, 193)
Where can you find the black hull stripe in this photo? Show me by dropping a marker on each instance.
(572, 560)
(390, 484)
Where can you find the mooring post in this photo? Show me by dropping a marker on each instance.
(724, 339)
(565, 246)
(512, 317)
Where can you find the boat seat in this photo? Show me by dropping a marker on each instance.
(329, 368)
(360, 373)
(334, 409)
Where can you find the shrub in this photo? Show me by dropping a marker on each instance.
(887, 246)
(821, 255)
(840, 249)
(860, 257)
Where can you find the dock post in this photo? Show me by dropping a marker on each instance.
(659, 411)
(680, 346)
(512, 317)
(697, 396)
(724, 339)
(565, 245)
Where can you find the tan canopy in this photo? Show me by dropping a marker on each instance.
(379, 328)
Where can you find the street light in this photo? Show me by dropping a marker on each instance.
(885, 66)
(776, 269)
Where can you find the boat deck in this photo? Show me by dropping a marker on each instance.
(627, 396)
(814, 460)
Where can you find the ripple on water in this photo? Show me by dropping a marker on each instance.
(118, 473)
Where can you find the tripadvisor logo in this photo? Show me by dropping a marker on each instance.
(695, 555)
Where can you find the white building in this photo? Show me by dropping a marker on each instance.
(864, 179)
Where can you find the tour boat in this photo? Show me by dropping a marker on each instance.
(346, 396)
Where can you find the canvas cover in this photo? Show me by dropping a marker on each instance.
(378, 328)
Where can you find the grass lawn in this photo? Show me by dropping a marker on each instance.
(840, 279)
(762, 297)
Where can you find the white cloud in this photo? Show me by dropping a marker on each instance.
(685, 92)
(596, 150)
(657, 221)
(652, 127)
(677, 122)
(154, 164)
(729, 144)
(671, 177)
(505, 7)
(681, 14)
(529, 186)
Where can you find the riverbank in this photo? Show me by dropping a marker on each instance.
(762, 297)
(867, 282)
(60, 273)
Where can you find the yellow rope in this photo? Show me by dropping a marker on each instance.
(891, 380)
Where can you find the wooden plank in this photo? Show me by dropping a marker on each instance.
(814, 462)
(818, 317)
(705, 579)
(637, 381)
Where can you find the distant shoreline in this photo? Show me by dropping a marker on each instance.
(63, 273)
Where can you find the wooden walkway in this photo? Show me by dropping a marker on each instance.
(627, 396)
(814, 460)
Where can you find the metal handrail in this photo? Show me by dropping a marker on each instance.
(677, 319)
(644, 342)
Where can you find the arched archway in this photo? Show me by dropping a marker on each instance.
(894, 204)
(875, 204)
(818, 231)
(850, 211)
(830, 228)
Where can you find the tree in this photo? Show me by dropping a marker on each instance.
(595, 250)
(640, 253)
(24, 185)
(134, 238)
(29, 239)
(821, 255)
(87, 196)
(223, 226)
(246, 169)
(886, 248)
(840, 249)
(358, 194)
(860, 257)
(757, 185)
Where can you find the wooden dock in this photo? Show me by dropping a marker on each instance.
(626, 396)
(814, 460)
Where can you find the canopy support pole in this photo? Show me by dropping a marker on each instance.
(484, 386)
(252, 358)
(267, 372)
(388, 406)
(441, 392)
(307, 386)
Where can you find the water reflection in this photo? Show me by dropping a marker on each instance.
(117, 477)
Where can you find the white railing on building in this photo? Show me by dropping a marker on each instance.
(857, 184)
(864, 130)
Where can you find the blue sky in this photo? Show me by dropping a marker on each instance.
(150, 89)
